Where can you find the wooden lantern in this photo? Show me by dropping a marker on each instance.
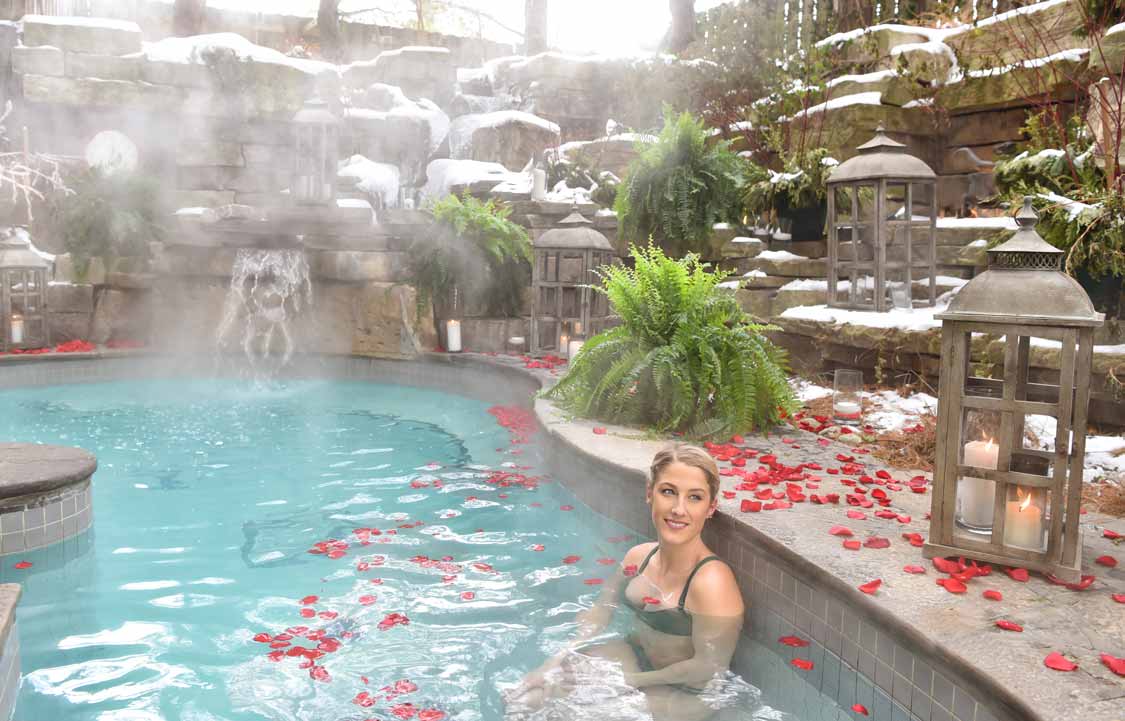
(564, 308)
(882, 221)
(316, 155)
(995, 498)
(23, 294)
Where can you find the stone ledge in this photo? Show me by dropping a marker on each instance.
(9, 597)
(28, 468)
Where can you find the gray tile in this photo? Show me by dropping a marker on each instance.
(864, 693)
(803, 595)
(773, 577)
(901, 690)
(984, 714)
(882, 710)
(834, 615)
(920, 704)
(850, 626)
(885, 648)
(70, 526)
(54, 532)
(904, 661)
(964, 705)
(898, 713)
(788, 587)
(12, 521)
(850, 653)
(943, 691)
(847, 693)
(803, 620)
(33, 517)
(11, 543)
(869, 638)
(818, 631)
(923, 676)
(867, 664)
(830, 678)
(53, 512)
(69, 506)
(832, 641)
(939, 713)
(884, 676)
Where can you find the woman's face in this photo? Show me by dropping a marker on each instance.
(680, 502)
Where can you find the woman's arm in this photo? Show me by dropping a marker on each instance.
(716, 623)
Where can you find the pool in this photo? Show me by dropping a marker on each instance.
(405, 540)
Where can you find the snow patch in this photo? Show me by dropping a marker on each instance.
(1000, 222)
(194, 50)
(443, 174)
(462, 129)
(872, 97)
(376, 179)
(779, 255)
(916, 319)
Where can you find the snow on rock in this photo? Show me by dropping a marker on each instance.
(863, 79)
(21, 235)
(376, 179)
(916, 319)
(444, 174)
(1072, 55)
(931, 33)
(806, 391)
(1002, 222)
(1118, 28)
(779, 255)
(508, 136)
(873, 97)
(806, 284)
(755, 273)
(196, 48)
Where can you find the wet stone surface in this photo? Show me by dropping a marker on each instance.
(27, 468)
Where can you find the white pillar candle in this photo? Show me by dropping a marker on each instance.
(538, 184)
(977, 496)
(847, 409)
(453, 336)
(1023, 524)
(17, 329)
(573, 347)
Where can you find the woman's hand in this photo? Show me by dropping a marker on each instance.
(549, 672)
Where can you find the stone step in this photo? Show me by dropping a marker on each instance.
(788, 265)
(973, 255)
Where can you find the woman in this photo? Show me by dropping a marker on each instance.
(687, 603)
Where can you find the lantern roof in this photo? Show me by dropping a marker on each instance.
(574, 233)
(16, 252)
(879, 158)
(315, 112)
(1024, 284)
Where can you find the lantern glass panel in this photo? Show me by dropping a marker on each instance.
(979, 448)
(548, 334)
(571, 305)
(572, 268)
(894, 202)
(843, 206)
(551, 267)
(548, 300)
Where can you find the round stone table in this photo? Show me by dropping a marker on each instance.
(45, 495)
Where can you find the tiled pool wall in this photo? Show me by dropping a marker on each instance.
(32, 522)
(10, 671)
(860, 653)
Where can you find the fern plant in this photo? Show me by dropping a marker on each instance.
(685, 357)
(476, 250)
(106, 216)
(679, 187)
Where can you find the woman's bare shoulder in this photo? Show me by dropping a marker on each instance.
(715, 592)
(636, 555)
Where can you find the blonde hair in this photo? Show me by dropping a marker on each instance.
(689, 455)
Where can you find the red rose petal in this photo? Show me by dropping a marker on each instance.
(263, 638)
(1017, 574)
(566, 508)
(593, 581)
(22, 565)
(1058, 662)
(1083, 584)
(852, 545)
(1010, 626)
(914, 569)
(1117, 665)
(802, 664)
(430, 714)
(794, 641)
(599, 431)
(877, 542)
(871, 586)
(993, 595)
(630, 570)
(857, 515)
(1119, 597)
(749, 506)
(572, 559)
(859, 709)
(319, 673)
(308, 612)
(367, 600)
(1112, 535)
(1109, 561)
(607, 561)
(468, 596)
(650, 601)
(840, 531)
(952, 585)
(946, 566)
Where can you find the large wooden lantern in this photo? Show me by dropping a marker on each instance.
(996, 498)
(315, 163)
(564, 308)
(882, 221)
(23, 295)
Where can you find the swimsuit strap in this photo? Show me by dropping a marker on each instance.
(687, 585)
(648, 558)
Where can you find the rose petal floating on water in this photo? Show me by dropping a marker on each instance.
(308, 612)
(859, 708)
(914, 569)
(594, 581)
(802, 664)
(363, 699)
(537, 547)
(607, 561)
(22, 565)
(857, 515)
(1108, 561)
(566, 508)
(404, 710)
(1112, 535)
(871, 586)
(630, 569)
(430, 714)
(993, 595)
(794, 641)
(1058, 662)
(572, 559)
(263, 638)
(468, 596)
(319, 673)
(1117, 665)
(367, 600)
(1010, 626)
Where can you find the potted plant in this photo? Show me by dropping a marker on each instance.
(797, 196)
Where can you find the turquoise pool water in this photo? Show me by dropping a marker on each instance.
(208, 500)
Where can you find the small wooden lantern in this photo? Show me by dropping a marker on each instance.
(563, 307)
(316, 156)
(882, 222)
(23, 294)
(994, 498)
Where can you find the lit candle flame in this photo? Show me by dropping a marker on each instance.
(1026, 500)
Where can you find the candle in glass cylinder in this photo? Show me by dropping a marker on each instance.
(573, 347)
(564, 345)
(1023, 523)
(17, 329)
(976, 497)
(453, 336)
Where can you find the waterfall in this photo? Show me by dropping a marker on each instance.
(268, 288)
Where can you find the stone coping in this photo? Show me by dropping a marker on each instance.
(28, 469)
(9, 597)
(956, 630)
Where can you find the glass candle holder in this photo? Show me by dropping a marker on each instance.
(847, 405)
